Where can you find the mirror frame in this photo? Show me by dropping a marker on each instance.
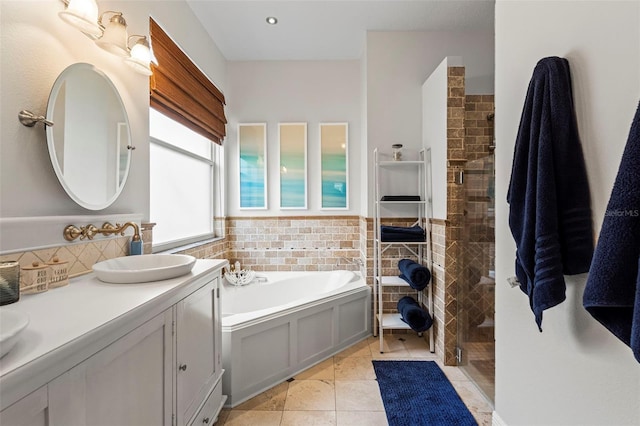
(57, 85)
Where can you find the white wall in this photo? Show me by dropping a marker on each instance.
(36, 47)
(294, 91)
(574, 372)
(435, 92)
(398, 63)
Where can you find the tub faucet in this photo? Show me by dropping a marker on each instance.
(355, 261)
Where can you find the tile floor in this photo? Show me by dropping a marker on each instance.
(342, 390)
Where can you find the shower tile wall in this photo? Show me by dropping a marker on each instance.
(478, 130)
(456, 158)
(479, 247)
(469, 136)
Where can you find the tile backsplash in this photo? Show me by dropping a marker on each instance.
(81, 256)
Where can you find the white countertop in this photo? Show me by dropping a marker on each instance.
(71, 323)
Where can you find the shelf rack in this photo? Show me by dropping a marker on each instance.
(420, 250)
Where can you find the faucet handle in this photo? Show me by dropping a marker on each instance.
(71, 232)
(108, 228)
(88, 231)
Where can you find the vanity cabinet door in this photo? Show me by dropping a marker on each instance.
(196, 350)
(29, 411)
(126, 383)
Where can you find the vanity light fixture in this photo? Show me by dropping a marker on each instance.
(140, 56)
(272, 20)
(82, 15)
(114, 38)
(111, 36)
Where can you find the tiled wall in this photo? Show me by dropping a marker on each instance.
(456, 159)
(81, 256)
(456, 256)
(300, 243)
(213, 250)
(478, 128)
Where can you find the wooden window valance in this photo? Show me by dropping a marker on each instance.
(181, 91)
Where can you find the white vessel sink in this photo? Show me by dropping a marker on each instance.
(144, 268)
(12, 323)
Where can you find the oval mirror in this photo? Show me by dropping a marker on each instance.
(89, 142)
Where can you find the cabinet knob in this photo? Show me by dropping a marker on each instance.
(205, 420)
(183, 367)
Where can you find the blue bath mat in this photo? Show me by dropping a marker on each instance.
(418, 393)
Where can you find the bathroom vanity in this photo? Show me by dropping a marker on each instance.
(118, 354)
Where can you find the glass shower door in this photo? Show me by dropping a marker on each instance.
(476, 302)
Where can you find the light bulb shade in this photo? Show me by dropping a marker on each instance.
(114, 39)
(140, 57)
(82, 15)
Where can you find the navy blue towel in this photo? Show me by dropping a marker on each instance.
(413, 314)
(550, 204)
(612, 293)
(402, 233)
(415, 274)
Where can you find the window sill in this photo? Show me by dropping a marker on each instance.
(190, 246)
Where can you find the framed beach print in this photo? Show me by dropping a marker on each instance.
(252, 165)
(293, 165)
(334, 165)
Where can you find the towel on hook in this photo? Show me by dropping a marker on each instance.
(550, 207)
(612, 293)
(414, 315)
(415, 274)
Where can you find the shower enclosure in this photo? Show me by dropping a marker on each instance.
(476, 304)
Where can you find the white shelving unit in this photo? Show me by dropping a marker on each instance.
(384, 169)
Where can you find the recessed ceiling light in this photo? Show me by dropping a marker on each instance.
(272, 20)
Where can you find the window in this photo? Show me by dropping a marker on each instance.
(186, 116)
(185, 183)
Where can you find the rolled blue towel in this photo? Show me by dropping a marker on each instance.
(413, 314)
(402, 233)
(415, 274)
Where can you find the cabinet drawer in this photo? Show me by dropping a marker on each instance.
(211, 408)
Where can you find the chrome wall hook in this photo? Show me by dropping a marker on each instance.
(29, 119)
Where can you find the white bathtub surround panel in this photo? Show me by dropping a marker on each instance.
(71, 323)
(271, 344)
